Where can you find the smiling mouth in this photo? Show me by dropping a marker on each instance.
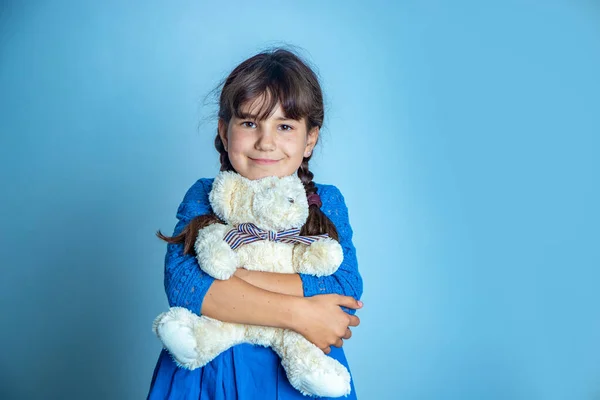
(263, 160)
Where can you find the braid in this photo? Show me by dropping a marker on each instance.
(317, 222)
(307, 177)
(224, 157)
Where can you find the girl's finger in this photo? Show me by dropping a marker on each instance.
(349, 302)
(354, 320)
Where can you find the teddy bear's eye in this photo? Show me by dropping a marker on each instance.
(290, 200)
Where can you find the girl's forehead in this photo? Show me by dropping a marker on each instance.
(257, 105)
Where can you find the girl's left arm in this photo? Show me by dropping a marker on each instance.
(345, 281)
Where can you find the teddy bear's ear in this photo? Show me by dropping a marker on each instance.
(225, 186)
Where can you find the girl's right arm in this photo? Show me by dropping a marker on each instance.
(320, 318)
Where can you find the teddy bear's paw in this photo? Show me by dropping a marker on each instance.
(175, 329)
(327, 379)
(215, 256)
(321, 258)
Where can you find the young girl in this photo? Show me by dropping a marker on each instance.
(270, 113)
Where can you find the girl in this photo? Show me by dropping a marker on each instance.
(270, 113)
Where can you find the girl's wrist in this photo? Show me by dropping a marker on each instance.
(296, 306)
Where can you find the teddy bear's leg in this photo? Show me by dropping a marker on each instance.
(321, 258)
(263, 335)
(308, 369)
(194, 340)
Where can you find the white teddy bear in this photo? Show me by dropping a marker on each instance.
(263, 217)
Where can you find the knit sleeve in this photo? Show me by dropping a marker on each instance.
(346, 280)
(185, 283)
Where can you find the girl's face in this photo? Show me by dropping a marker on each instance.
(273, 147)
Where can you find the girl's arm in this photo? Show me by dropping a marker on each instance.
(345, 281)
(290, 284)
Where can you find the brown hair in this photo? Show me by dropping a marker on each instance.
(278, 75)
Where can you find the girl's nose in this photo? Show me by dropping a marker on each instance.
(265, 141)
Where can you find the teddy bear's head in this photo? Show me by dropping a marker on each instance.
(271, 203)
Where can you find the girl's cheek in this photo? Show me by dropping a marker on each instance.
(235, 140)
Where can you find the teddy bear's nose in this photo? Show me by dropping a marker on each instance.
(290, 200)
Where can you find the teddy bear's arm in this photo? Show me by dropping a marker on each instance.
(321, 258)
(214, 255)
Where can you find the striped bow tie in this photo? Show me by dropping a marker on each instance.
(248, 233)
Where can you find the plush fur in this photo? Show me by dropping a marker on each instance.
(271, 203)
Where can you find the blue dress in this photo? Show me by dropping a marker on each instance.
(244, 371)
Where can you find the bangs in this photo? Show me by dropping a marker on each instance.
(267, 85)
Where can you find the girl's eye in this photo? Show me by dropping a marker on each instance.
(250, 124)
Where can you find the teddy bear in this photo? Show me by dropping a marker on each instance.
(262, 220)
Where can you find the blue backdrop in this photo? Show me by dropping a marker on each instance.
(464, 136)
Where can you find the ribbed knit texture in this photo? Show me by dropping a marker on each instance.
(186, 284)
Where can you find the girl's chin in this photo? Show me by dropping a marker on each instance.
(253, 171)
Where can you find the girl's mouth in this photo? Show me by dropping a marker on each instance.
(264, 161)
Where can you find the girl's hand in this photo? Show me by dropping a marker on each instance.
(321, 320)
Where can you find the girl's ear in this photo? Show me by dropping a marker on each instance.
(222, 128)
(311, 141)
